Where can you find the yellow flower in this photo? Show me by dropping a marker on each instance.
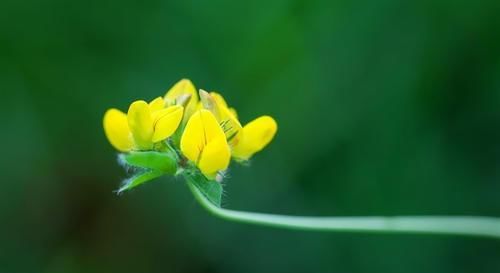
(208, 134)
(254, 137)
(226, 116)
(204, 143)
(184, 88)
(143, 125)
(244, 141)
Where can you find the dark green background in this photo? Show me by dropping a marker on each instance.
(384, 108)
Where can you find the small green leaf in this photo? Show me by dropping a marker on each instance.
(165, 162)
(212, 190)
(139, 179)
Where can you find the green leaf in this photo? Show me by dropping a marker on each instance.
(165, 162)
(212, 190)
(139, 179)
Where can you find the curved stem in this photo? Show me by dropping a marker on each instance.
(453, 225)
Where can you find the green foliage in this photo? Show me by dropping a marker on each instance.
(212, 190)
(139, 179)
(164, 162)
(385, 107)
(148, 165)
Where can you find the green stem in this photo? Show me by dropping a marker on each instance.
(453, 225)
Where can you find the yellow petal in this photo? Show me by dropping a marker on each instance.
(157, 104)
(218, 106)
(166, 122)
(204, 143)
(117, 130)
(233, 111)
(254, 137)
(183, 87)
(214, 158)
(219, 99)
(200, 129)
(228, 117)
(140, 123)
(230, 124)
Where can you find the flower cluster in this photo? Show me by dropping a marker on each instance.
(202, 129)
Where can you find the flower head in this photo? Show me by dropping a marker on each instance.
(208, 134)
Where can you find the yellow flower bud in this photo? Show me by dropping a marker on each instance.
(183, 87)
(216, 104)
(204, 143)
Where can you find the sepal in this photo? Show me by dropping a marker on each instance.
(147, 166)
(165, 162)
(212, 190)
(139, 179)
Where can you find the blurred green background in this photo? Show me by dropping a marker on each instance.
(384, 108)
